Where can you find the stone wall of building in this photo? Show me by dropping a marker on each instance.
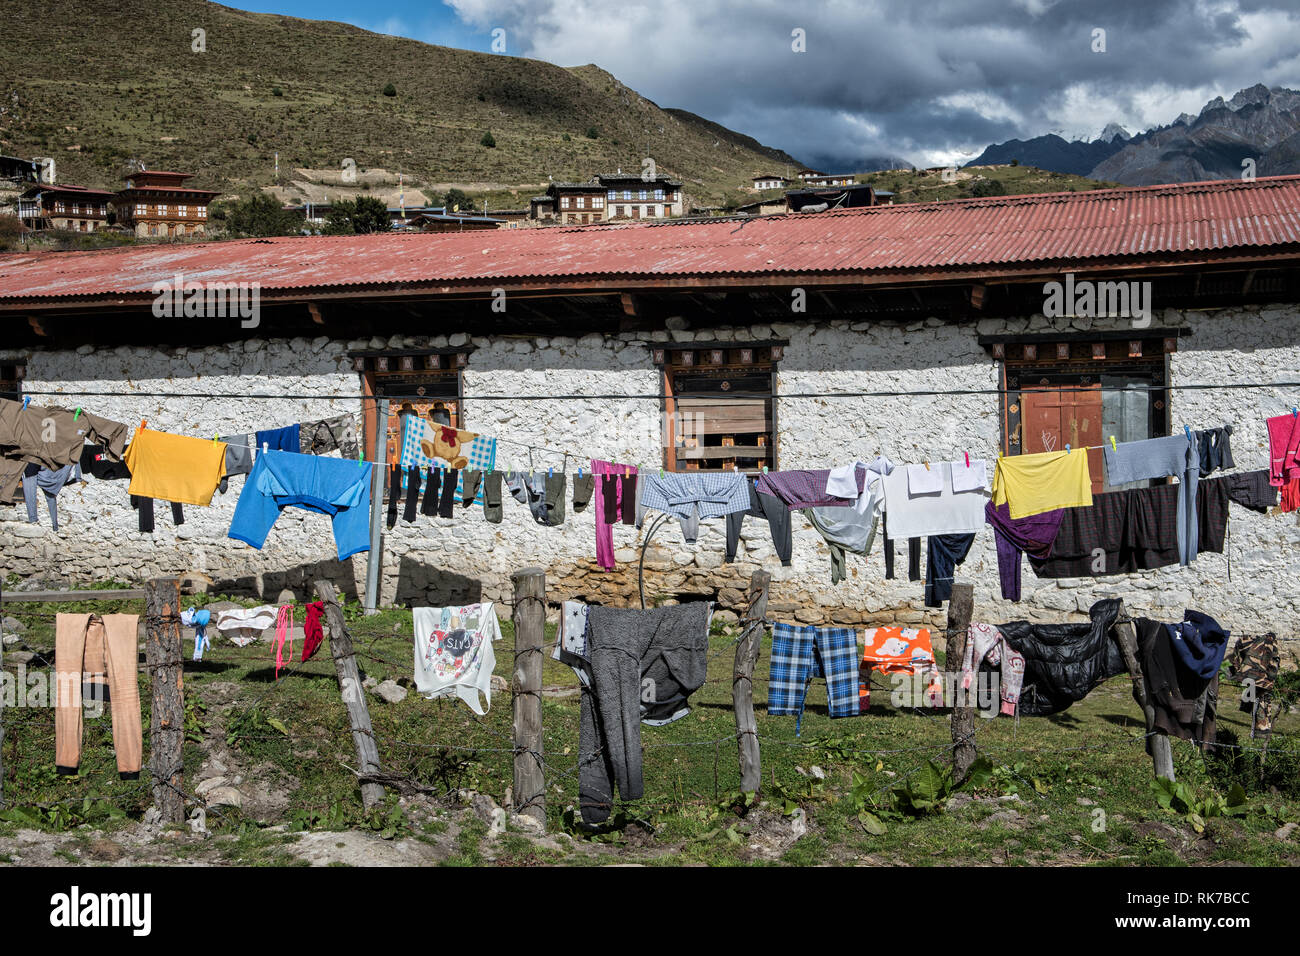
(1254, 586)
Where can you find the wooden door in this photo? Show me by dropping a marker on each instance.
(1054, 418)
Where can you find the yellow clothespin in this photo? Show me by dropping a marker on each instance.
(1112, 443)
(927, 466)
(214, 438)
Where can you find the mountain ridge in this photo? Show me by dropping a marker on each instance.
(128, 86)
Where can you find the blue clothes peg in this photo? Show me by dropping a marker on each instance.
(1067, 449)
(1187, 429)
(27, 400)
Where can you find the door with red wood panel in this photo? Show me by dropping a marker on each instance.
(1053, 418)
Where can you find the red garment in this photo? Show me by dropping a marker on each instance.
(312, 631)
(1283, 448)
(1290, 495)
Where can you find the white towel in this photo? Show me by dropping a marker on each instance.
(974, 478)
(924, 480)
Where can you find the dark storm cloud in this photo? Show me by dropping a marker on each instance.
(920, 80)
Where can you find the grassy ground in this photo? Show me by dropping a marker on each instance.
(1075, 788)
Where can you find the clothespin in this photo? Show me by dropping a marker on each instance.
(360, 458)
(627, 473)
(27, 400)
(265, 447)
(1294, 411)
(661, 472)
(1187, 430)
(765, 469)
(579, 471)
(77, 413)
(144, 423)
(1112, 444)
(1067, 449)
(214, 438)
(550, 472)
(927, 466)
(967, 454)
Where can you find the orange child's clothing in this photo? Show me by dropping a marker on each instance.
(898, 650)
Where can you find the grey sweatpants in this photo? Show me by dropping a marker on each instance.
(621, 645)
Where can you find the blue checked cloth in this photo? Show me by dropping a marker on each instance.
(481, 452)
(680, 495)
(802, 652)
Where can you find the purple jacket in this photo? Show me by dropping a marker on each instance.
(1034, 534)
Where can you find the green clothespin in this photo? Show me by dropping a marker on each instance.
(77, 414)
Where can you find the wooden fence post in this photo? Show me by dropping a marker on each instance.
(354, 697)
(742, 683)
(960, 608)
(1162, 757)
(526, 687)
(165, 661)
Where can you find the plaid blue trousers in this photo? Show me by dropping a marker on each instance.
(802, 652)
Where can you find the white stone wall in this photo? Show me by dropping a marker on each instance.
(462, 557)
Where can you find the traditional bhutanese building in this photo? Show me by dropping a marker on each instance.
(157, 204)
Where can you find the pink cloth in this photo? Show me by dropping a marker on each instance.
(283, 632)
(605, 523)
(1283, 449)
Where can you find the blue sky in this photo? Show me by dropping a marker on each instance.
(927, 82)
(426, 20)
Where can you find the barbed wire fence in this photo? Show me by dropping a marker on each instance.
(541, 760)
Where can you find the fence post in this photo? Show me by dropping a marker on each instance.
(354, 698)
(960, 608)
(742, 683)
(530, 634)
(378, 480)
(165, 662)
(1162, 757)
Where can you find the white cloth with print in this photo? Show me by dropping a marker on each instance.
(453, 652)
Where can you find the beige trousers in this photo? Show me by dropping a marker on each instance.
(95, 653)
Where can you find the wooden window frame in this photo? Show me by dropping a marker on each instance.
(378, 382)
(1038, 363)
(765, 357)
(12, 373)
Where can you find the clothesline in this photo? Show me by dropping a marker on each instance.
(663, 396)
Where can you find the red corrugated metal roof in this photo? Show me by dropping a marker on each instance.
(1165, 224)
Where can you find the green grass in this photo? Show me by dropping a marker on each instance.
(1062, 769)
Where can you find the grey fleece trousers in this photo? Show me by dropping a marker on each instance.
(667, 644)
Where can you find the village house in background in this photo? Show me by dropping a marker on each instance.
(157, 204)
(74, 208)
(608, 196)
(769, 181)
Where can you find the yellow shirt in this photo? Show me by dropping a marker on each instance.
(175, 467)
(1033, 484)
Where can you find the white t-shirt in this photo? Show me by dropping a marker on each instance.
(909, 515)
(453, 652)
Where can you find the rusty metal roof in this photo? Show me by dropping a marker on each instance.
(1143, 225)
